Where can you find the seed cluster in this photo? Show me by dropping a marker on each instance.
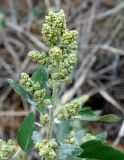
(44, 119)
(34, 89)
(54, 27)
(6, 149)
(69, 37)
(71, 139)
(46, 148)
(62, 57)
(56, 54)
(39, 58)
(88, 137)
(69, 110)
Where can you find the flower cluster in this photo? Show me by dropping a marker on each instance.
(69, 110)
(21, 155)
(44, 119)
(69, 37)
(71, 139)
(39, 58)
(88, 137)
(34, 89)
(6, 149)
(47, 148)
(56, 53)
(62, 57)
(54, 27)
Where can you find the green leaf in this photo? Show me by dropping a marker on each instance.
(79, 135)
(41, 76)
(102, 136)
(37, 137)
(2, 18)
(86, 114)
(100, 151)
(25, 133)
(21, 91)
(41, 108)
(63, 130)
(38, 12)
(109, 118)
(69, 150)
(83, 99)
(65, 157)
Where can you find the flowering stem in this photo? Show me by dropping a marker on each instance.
(51, 113)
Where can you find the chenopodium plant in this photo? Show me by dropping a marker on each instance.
(58, 134)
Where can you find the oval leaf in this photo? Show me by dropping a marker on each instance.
(86, 114)
(69, 150)
(109, 118)
(102, 136)
(100, 151)
(37, 137)
(21, 91)
(41, 76)
(83, 99)
(63, 130)
(25, 133)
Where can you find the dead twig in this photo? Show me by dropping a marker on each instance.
(71, 92)
(101, 89)
(13, 113)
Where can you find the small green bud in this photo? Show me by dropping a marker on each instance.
(88, 137)
(39, 57)
(22, 156)
(69, 37)
(47, 148)
(47, 102)
(54, 27)
(69, 110)
(44, 119)
(33, 88)
(53, 144)
(56, 53)
(71, 139)
(6, 149)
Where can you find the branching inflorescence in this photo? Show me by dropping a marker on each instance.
(55, 119)
(60, 61)
(62, 57)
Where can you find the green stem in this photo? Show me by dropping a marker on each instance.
(51, 113)
(16, 155)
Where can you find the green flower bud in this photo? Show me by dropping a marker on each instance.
(36, 86)
(44, 119)
(47, 102)
(53, 144)
(21, 155)
(69, 110)
(54, 83)
(54, 27)
(46, 148)
(88, 137)
(52, 65)
(33, 88)
(39, 57)
(6, 149)
(69, 37)
(56, 53)
(71, 139)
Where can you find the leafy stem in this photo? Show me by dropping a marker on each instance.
(51, 113)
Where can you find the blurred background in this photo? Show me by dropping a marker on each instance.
(100, 68)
